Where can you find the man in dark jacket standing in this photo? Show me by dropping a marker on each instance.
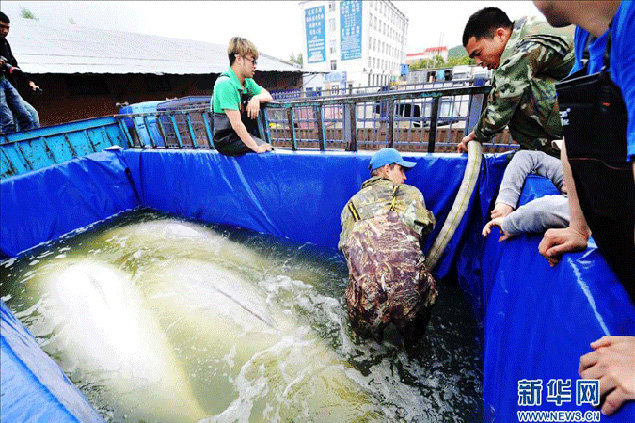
(13, 108)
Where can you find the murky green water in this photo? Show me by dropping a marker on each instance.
(160, 320)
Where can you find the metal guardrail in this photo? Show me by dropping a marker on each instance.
(411, 119)
(378, 114)
(297, 93)
(414, 120)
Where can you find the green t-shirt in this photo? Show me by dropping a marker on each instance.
(227, 91)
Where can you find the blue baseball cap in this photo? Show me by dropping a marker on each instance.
(387, 156)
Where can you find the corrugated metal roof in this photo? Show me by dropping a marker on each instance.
(69, 48)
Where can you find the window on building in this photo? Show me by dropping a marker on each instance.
(332, 24)
(333, 64)
(370, 44)
(332, 46)
(370, 62)
(331, 6)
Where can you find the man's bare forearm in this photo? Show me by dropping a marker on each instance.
(578, 221)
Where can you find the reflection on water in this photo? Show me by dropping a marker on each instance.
(160, 320)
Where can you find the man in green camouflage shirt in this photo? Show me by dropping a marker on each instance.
(528, 57)
(382, 227)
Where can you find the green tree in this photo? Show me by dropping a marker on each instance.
(457, 51)
(296, 59)
(461, 60)
(432, 63)
(27, 14)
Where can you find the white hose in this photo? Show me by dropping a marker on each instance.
(461, 201)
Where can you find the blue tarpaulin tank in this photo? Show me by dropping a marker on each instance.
(537, 320)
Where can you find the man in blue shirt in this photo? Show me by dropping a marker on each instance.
(612, 358)
(593, 31)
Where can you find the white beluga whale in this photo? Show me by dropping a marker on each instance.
(105, 332)
(264, 359)
(181, 324)
(172, 238)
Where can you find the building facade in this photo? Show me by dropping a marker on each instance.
(351, 43)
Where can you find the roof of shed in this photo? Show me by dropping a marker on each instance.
(68, 48)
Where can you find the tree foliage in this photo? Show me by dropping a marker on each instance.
(440, 62)
(27, 14)
(297, 59)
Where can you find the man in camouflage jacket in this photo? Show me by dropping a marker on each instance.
(528, 58)
(382, 227)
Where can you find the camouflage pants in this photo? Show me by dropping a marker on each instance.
(388, 281)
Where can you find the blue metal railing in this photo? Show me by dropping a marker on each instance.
(390, 118)
(422, 119)
(417, 120)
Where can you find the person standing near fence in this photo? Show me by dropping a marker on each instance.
(528, 58)
(13, 109)
(236, 102)
(599, 164)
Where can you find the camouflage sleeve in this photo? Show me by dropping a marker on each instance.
(416, 215)
(347, 224)
(509, 84)
(425, 218)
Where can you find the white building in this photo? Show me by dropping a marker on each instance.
(355, 43)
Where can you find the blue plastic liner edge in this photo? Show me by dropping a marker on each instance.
(34, 388)
(299, 195)
(44, 204)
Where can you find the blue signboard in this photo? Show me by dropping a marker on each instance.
(351, 29)
(315, 31)
(335, 76)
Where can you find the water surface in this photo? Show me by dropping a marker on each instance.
(161, 320)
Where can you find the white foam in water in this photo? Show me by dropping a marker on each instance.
(167, 321)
